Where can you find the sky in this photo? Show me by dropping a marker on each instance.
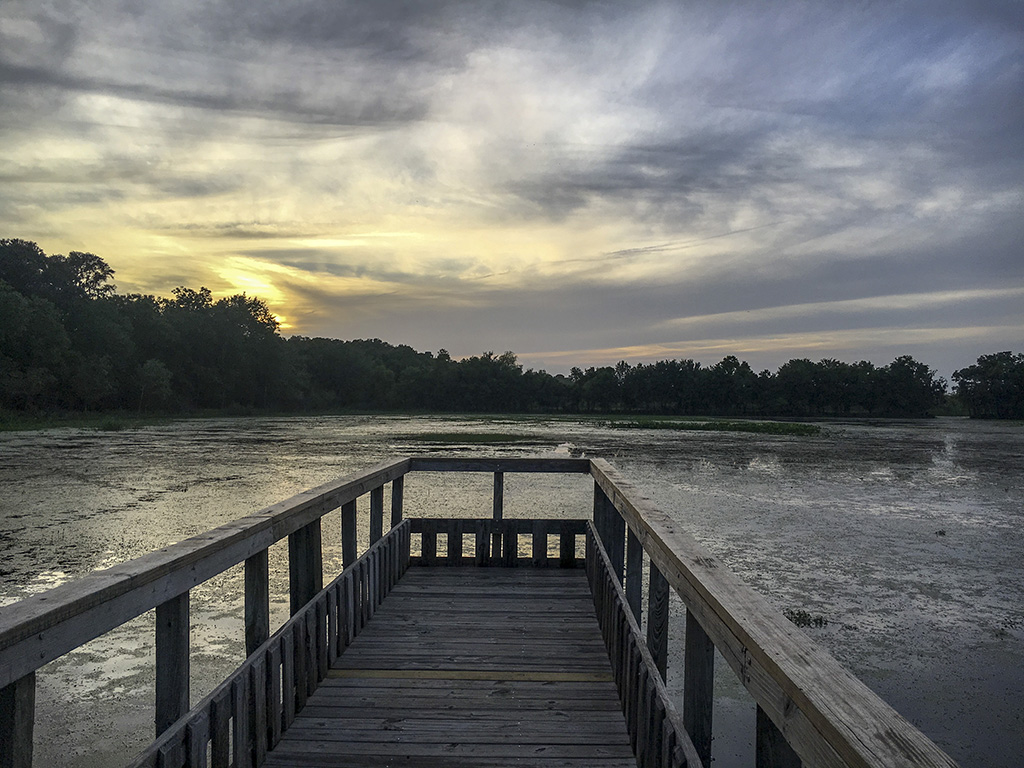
(577, 182)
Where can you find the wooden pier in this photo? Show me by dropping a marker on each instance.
(472, 641)
(467, 666)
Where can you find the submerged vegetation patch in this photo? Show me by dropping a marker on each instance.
(804, 619)
(721, 425)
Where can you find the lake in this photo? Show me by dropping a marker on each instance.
(904, 539)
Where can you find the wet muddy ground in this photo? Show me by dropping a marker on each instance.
(898, 544)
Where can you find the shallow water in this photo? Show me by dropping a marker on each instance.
(904, 538)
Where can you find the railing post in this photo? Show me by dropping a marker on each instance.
(257, 601)
(172, 663)
(397, 500)
(698, 686)
(612, 528)
(498, 514)
(772, 750)
(305, 565)
(634, 574)
(657, 618)
(348, 533)
(17, 719)
(376, 514)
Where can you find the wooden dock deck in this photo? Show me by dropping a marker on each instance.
(469, 666)
(483, 641)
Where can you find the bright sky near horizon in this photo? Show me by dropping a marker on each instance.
(578, 182)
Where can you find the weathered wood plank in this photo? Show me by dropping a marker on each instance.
(448, 691)
(197, 738)
(488, 464)
(275, 692)
(172, 661)
(397, 500)
(539, 545)
(220, 734)
(771, 748)
(455, 543)
(259, 726)
(17, 719)
(634, 574)
(257, 600)
(698, 687)
(657, 618)
(349, 534)
(566, 547)
(305, 565)
(241, 737)
(376, 514)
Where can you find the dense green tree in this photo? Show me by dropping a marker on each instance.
(68, 340)
(910, 388)
(993, 388)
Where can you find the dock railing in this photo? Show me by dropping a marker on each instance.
(810, 710)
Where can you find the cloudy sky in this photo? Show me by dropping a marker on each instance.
(576, 182)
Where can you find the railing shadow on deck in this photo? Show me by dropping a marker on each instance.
(810, 710)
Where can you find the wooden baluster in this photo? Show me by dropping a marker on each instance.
(510, 542)
(612, 529)
(698, 686)
(348, 533)
(634, 574)
(376, 514)
(172, 664)
(455, 543)
(397, 500)
(498, 514)
(17, 719)
(600, 514)
(773, 751)
(257, 601)
(539, 544)
(616, 545)
(305, 565)
(566, 547)
(657, 618)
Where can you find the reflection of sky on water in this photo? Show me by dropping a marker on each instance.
(845, 526)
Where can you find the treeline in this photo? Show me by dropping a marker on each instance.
(69, 341)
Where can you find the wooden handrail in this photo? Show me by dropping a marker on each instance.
(43, 627)
(828, 716)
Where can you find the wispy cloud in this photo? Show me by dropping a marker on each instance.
(537, 176)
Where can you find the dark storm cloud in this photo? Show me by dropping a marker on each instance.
(740, 156)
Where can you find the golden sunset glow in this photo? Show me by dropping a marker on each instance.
(571, 185)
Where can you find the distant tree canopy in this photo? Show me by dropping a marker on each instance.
(993, 388)
(68, 340)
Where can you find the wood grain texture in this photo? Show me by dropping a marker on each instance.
(172, 661)
(469, 666)
(257, 601)
(657, 618)
(248, 712)
(376, 514)
(397, 500)
(17, 720)
(698, 687)
(489, 464)
(771, 749)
